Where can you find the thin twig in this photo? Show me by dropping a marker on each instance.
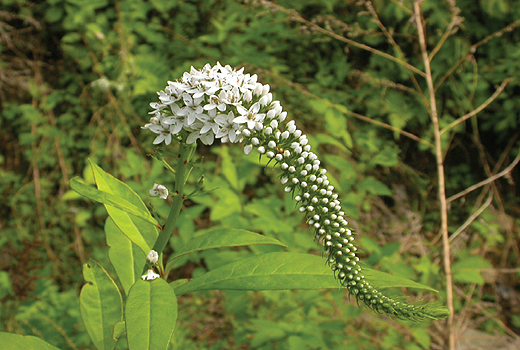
(440, 172)
(486, 181)
(347, 111)
(390, 127)
(295, 16)
(479, 108)
(473, 217)
(397, 48)
(493, 317)
(455, 21)
(365, 77)
(403, 7)
(473, 49)
(501, 270)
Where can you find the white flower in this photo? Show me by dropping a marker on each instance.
(170, 94)
(152, 257)
(159, 190)
(204, 88)
(227, 129)
(158, 107)
(150, 275)
(218, 102)
(192, 109)
(249, 116)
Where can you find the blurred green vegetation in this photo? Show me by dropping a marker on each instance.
(76, 78)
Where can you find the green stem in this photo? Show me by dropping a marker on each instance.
(181, 176)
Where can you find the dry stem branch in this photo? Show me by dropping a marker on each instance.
(479, 108)
(346, 111)
(390, 38)
(440, 172)
(487, 181)
(473, 217)
(473, 49)
(455, 21)
(295, 16)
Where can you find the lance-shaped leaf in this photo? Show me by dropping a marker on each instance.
(383, 280)
(11, 341)
(277, 271)
(126, 257)
(222, 238)
(150, 315)
(101, 306)
(110, 199)
(139, 231)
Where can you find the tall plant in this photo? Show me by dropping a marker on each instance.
(219, 102)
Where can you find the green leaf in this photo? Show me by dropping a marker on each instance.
(282, 271)
(11, 341)
(126, 257)
(467, 270)
(221, 238)
(321, 139)
(228, 168)
(101, 306)
(109, 199)
(228, 203)
(422, 337)
(272, 271)
(139, 231)
(151, 313)
(178, 282)
(115, 206)
(383, 280)
(6, 286)
(119, 329)
(373, 186)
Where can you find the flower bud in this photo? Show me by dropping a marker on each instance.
(152, 257)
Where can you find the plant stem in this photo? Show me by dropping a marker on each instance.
(185, 153)
(295, 16)
(440, 173)
(490, 179)
(479, 108)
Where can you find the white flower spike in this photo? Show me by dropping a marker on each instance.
(248, 114)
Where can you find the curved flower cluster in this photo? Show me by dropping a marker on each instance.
(219, 102)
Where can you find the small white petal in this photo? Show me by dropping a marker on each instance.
(150, 275)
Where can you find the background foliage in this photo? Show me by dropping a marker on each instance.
(76, 78)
